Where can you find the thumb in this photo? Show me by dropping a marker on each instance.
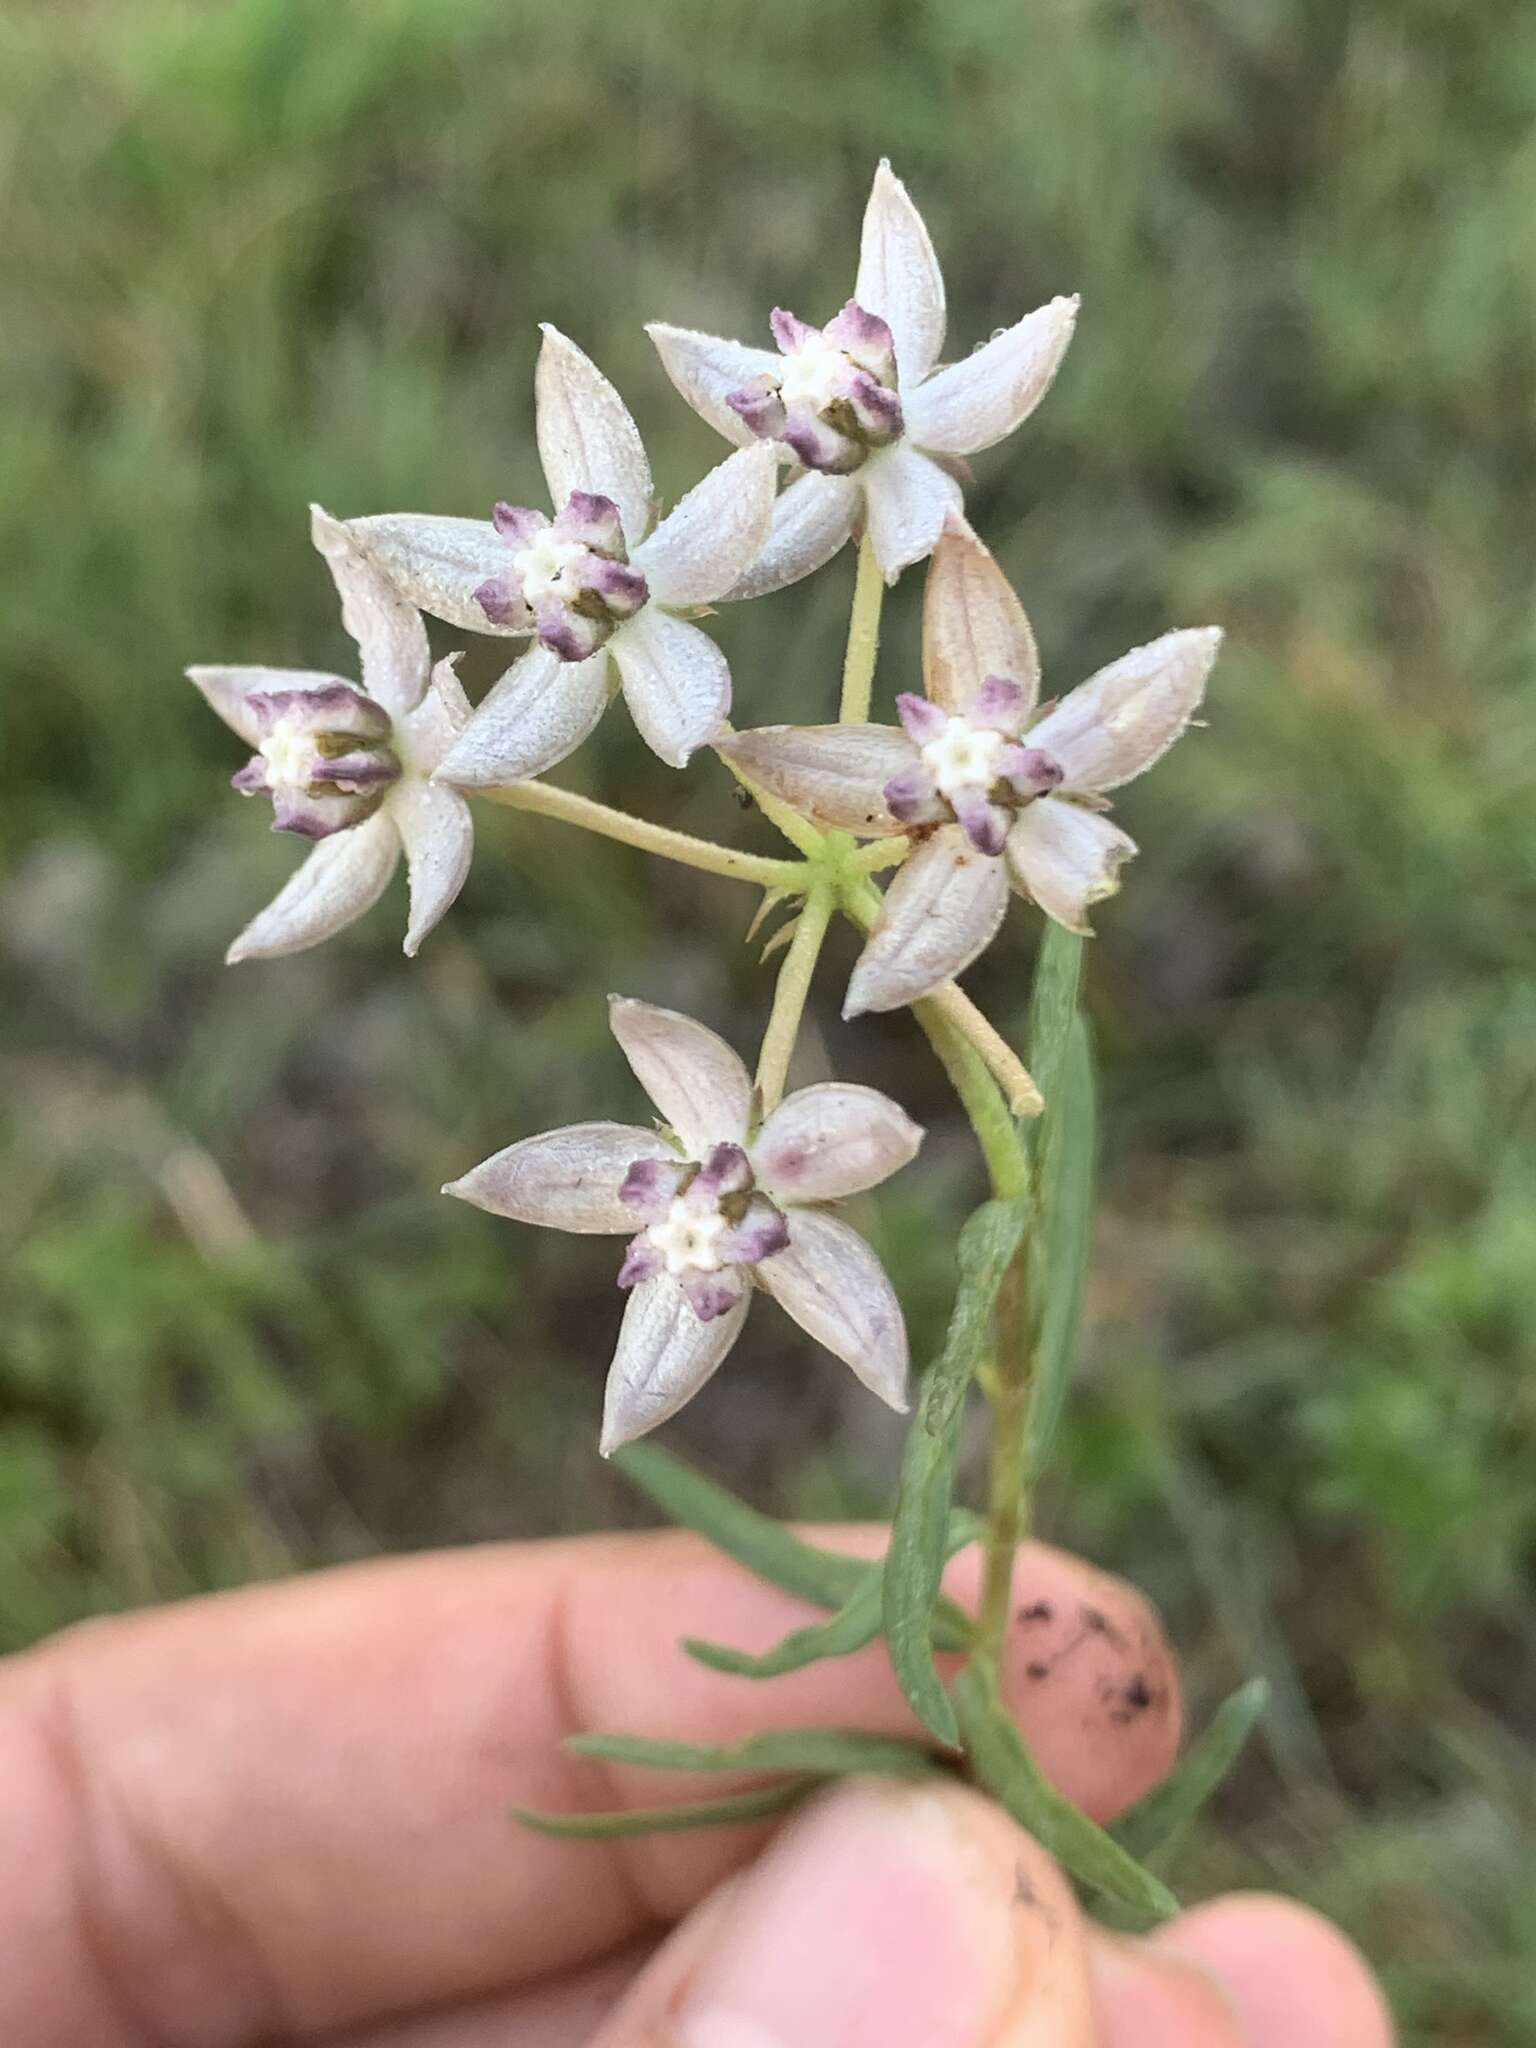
(899, 1915)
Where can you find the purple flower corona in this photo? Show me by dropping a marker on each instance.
(569, 578)
(323, 756)
(834, 399)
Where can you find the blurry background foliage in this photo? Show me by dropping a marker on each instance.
(262, 251)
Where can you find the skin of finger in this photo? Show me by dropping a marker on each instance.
(287, 1810)
(563, 2012)
(1289, 1974)
(1144, 1998)
(1039, 1989)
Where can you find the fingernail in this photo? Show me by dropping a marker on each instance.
(880, 1915)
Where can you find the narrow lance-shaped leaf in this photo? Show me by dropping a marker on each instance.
(914, 1563)
(667, 1820)
(808, 1752)
(1065, 1233)
(1004, 1763)
(1166, 1810)
(1052, 1006)
(755, 1540)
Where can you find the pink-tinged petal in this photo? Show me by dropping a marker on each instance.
(565, 1180)
(973, 626)
(876, 408)
(943, 908)
(592, 519)
(230, 690)
(1128, 715)
(253, 779)
(390, 632)
(651, 1185)
(811, 521)
(1031, 770)
(899, 277)
(1066, 858)
(712, 537)
(762, 1231)
(711, 1295)
(983, 822)
(344, 876)
(831, 1140)
(791, 332)
(539, 712)
(425, 735)
(568, 634)
(821, 447)
(518, 525)
(760, 409)
(642, 1261)
(922, 722)
(977, 402)
(441, 565)
(835, 1288)
(676, 683)
(835, 774)
(622, 589)
(726, 1171)
(587, 440)
(707, 369)
(500, 598)
(665, 1354)
(907, 499)
(1000, 704)
(315, 817)
(867, 338)
(439, 839)
(694, 1078)
(912, 798)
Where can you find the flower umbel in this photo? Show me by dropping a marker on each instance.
(994, 792)
(600, 587)
(351, 768)
(861, 403)
(723, 1208)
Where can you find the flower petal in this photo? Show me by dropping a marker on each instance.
(565, 1180)
(973, 625)
(1127, 716)
(835, 1288)
(834, 774)
(943, 908)
(439, 838)
(344, 876)
(907, 500)
(439, 564)
(587, 440)
(811, 520)
(899, 277)
(391, 634)
(831, 1140)
(706, 369)
(694, 1078)
(976, 402)
(710, 538)
(665, 1354)
(537, 713)
(1066, 858)
(677, 683)
(427, 733)
(228, 689)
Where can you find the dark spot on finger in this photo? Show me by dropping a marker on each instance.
(1038, 1610)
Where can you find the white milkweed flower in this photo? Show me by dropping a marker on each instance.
(599, 586)
(861, 404)
(715, 1209)
(351, 768)
(995, 792)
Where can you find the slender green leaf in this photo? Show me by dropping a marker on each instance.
(755, 1540)
(1169, 1808)
(1003, 1762)
(914, 1563)
(809, 1752)
(1066, 1227)
(1052, 1006)
(665, 1820)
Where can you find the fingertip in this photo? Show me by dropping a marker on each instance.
(1290, 1975)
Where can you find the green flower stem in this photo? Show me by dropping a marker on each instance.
(794, 987)
(548, 802)
(863, 638)
(1009, 1388)
(1003, 1063)
(878, 854)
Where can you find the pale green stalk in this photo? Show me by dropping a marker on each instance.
(565, 804)
(790, 996)
(863, 638)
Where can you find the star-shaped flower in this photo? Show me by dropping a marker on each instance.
(600, 586)
(878, 428)
(994, 792)
(351, 768)
(715, 1209)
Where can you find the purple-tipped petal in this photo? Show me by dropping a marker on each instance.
(623, 589)
(876, 408)
(821, 447)
(835, 1288)
(1001, 704)
(234, 692)
(1066, 859)
(565, 1180)
(922, 722)
(711, 1295)
(973, 626)
(592, 519)
(790, 332)
(694, 1078)
(706, 369)
(252, 779)
(912, 798)
(835, 774)
(943, 908)
(1032, 771)
(831, 1140)
(759, 408)
(724, 1172)
(568, 634)
(762, 1231)
(501, 600)
(642, 1261)
(317, 817)
(334, 707)
(518, 524)
(983, 822)
(867, 338)
(359, 770)
(665, 1354)
(650, 1186)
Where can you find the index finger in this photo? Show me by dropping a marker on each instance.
(286, 1810)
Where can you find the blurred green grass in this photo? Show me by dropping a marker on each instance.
(262, 252)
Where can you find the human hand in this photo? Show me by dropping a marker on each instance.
(281, 1816)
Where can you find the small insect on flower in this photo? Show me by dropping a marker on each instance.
(351, 767)
(994, 793)
(715, 1209)
(599, 587)
(860, 405)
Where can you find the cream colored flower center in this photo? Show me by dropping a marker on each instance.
(542, 565)
(964, 754)
(811, 378)
(689, 1240)
(289, 754)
